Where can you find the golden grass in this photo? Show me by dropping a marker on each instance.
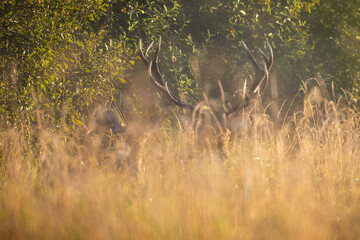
(298, 182)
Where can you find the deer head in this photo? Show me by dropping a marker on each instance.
(259, 84)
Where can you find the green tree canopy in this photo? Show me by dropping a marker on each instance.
(62, 58)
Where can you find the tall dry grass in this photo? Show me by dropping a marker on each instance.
(297, 180)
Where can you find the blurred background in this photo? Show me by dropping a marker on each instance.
(62, 59)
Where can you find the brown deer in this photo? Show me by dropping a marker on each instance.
(203, 115)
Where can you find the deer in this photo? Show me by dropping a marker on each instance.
(221, 119)
(199, 113)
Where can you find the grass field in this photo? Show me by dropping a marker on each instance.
(298, 180)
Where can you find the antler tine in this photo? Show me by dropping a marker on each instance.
(266, 58)
(269, 61)
(156, 65)
(148, 48)
(146, 61)
(264, 80)
(255, 88)
(252, 59)
(271, 56)
(153, 78)
(142, 55)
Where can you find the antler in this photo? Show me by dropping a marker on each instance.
(261, 78)
(258, 86)
(156, 77)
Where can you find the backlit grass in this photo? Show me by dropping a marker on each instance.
(298, 180)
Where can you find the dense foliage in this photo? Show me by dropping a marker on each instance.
(60, 59)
